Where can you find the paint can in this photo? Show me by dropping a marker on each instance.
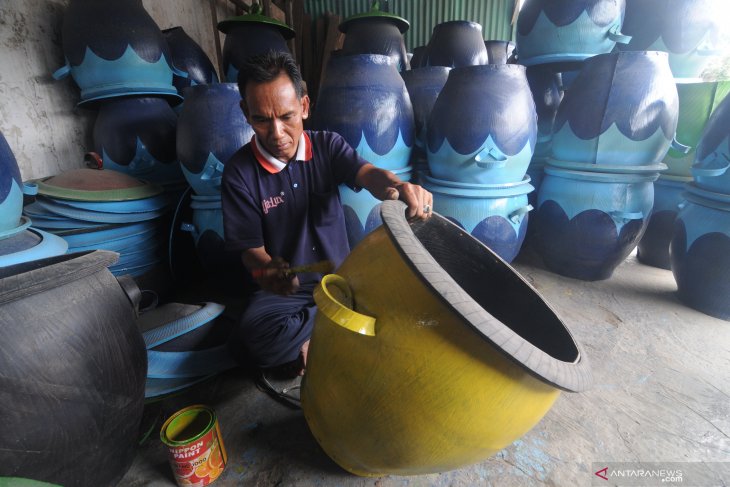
(195, 446)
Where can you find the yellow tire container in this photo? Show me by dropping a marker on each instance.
(429, 352)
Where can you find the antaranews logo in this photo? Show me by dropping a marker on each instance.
(662, 474)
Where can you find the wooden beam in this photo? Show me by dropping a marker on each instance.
(307, 52)
(240, 5)
(332, 40)
(320, 33)
(515, 12)
(217, 39)
(289, 14)
(276, 13)
(301, 28)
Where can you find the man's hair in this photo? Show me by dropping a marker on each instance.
(266, 67)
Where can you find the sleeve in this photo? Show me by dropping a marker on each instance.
(242, 218)
(345, 162)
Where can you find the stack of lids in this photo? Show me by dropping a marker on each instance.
(104, 209)
(186, 344)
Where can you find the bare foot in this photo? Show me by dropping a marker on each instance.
(303, 356)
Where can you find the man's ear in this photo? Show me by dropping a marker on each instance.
(244, 108)
(305, 107)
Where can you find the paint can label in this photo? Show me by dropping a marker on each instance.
(195, 446)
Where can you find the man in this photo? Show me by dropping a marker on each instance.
(281, 206)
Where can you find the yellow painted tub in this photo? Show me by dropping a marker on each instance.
(430, 353)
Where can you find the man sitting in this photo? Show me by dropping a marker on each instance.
(281, 205)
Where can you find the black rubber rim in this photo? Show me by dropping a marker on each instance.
(573, 376)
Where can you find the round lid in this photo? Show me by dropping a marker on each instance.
(375, 13)
(517, 185)
(168, 93)
(722, 199)
(674, 178)
(601, 177)
(59, 208)
(256, 16)
(96, 185)
(608, 168)
(492, 191)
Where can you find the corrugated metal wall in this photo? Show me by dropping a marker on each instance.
(494, 15)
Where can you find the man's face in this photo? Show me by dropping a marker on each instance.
(276, 115)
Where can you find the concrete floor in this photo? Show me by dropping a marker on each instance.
(661, 394)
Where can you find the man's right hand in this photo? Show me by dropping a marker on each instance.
(276, 278)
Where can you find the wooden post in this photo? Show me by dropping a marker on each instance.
(301, 29)
(331, 42)
(307, 50)
(240, 6)
(289, 15)
(217, 38)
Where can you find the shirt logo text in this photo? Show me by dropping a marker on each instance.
(271, 202)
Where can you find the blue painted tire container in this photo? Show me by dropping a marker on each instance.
(500, 52)
(568, 72)
(207, 216)
(136, 136)
(483, 126)
(251, 35)
(211, 128)
(207, 233)
(424, 86)
(621, 110)
(376, 33)
(455, 44)
(589, 222)
(115, 49)
(689, 30)
(188, 56)
(653, 248)
(697, 102)
(700, 255)
(547, 93)
(362, 209)
(364, 99)
(11, 189)
(536, 171)
(550, 31)
(420, 57)
(711, 169)
(495, 214)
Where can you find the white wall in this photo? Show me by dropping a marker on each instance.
(37, 114)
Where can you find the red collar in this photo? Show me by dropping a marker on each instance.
(272, 164)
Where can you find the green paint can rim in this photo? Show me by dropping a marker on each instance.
(182, 419)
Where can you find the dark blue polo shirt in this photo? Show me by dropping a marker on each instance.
(292, 210)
